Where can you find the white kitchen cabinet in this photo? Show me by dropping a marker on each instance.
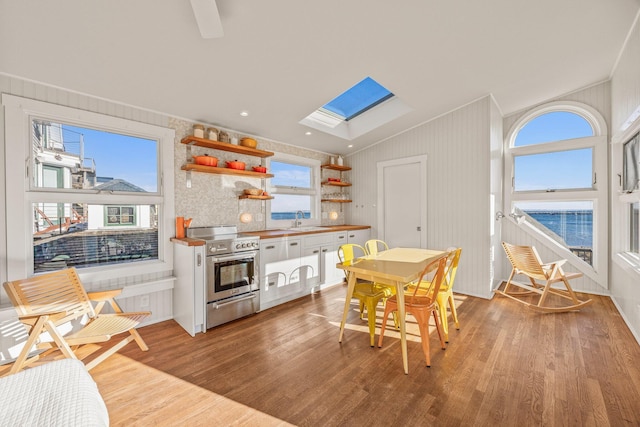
(358, 237)
(279, 271)
(310, 264)
(331, 274)
(315, 248)
(189, 300)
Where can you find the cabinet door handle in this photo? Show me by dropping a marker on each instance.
(324, 250)
(199, 261)
(340, 237)
(270, 247)
(352, 235)
(316, 251)
(293, 244)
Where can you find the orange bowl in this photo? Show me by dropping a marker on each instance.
(260, 169)
(206, 160)
(249, 142)
(236, 165)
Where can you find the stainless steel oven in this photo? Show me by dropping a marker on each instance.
(231, 278)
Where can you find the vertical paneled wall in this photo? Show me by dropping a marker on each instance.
(625, 98)
(597, 96)
(458, 188)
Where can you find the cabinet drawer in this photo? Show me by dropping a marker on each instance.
(340, 238)
(318, 239)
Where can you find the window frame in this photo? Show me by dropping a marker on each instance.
(314, 191)
(597, 194)
(621, 201)
(19, 113)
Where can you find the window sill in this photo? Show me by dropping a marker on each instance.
(629, 262)
(629, 197)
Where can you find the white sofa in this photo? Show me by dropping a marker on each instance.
(59, 393)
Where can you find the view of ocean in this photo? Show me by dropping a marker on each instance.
(575, 227)
(288, 215)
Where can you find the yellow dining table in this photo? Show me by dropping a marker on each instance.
(397, 266)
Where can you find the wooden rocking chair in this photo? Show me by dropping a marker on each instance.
(46, 302)
(526, 261)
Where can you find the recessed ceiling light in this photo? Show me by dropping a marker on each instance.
(307, 133)
(350, 146)
(244, 113)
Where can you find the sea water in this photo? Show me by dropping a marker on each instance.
(574, 226)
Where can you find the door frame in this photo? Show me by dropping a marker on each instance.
(422, 161)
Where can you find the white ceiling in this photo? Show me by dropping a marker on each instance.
(282, 59)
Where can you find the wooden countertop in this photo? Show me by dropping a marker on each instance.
(272, 234)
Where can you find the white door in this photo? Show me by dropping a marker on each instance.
(402, 202)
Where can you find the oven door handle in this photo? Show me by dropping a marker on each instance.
(234, 301)
(242, 255)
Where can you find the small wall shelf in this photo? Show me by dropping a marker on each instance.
(225, 146)
(337, 183)
(224, 171)
(248, 196)
(340, 168)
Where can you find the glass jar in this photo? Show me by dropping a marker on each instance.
(223, 136)
(212, 134)
(198, 131)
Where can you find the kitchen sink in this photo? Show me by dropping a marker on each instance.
(309, 228)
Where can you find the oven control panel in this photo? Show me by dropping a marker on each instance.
(231, 246)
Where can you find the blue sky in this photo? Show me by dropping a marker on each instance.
(112, 154)
(560, 170)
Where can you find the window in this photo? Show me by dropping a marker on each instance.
(634, 228)
(556, 163)
(631, 164)
(355, 101)
(94, 191)
(120, 215)
(356, 111)
(295, 188)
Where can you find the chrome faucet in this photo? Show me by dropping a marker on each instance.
(298, 222)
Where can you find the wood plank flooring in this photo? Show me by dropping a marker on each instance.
(507, 365)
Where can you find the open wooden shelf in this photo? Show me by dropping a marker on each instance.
(248, 196)
(337, 183)
(224, 171)
(336, 167)
(336, 200)
(225, 146)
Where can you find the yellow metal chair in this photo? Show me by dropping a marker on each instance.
(526, 261)
(373, 246)
(445, 294)
(49, 302)
(420, 301)
(369, 294)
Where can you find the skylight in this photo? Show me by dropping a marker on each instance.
(344, 116)
(361, 97)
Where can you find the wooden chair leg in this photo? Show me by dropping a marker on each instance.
(34, 334)
(136, 336)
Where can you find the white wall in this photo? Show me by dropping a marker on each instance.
(460, 181)
(625, 98)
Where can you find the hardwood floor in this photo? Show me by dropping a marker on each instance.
(507, 365)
